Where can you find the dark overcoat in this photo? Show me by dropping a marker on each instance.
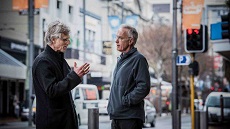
(53, 81)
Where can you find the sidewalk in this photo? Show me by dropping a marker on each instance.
(14, 123)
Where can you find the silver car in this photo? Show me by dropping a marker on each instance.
(150, 113)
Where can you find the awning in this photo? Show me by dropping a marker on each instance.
(11, 67)
(222, 47)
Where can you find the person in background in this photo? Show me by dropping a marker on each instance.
(130, 83)
(226, 85)
(53, 81)
(16, 106)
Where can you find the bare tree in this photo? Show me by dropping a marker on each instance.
(155, 44)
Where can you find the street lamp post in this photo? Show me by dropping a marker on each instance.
(175, 122)
(31, 55)
(84, 28)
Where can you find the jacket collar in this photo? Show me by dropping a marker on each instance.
(58, 55)
(125, 55)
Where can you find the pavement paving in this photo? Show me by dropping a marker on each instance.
(14, 123)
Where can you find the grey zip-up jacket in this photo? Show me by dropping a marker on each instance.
(130, 85)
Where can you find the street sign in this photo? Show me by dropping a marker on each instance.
(25, 12)
(183, 60)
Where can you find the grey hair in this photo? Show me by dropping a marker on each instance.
(55, 29)
(132, 32)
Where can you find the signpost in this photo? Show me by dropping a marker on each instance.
(183, 60)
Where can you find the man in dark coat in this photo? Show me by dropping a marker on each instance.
(53, 81)
(131, 83)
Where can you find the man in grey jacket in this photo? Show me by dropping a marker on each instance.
(131, 83)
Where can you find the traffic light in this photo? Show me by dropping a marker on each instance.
(221, 30)
(194, 68)
(196, 40)
(225, 19)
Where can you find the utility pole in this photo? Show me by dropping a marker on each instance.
(122, 12)
(84, 58)
(31, 54)
(174, 68)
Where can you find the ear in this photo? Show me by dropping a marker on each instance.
(52, 40)
(131, 41)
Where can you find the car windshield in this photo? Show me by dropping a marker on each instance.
(214, 101)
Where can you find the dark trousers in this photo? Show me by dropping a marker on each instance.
(126, 124)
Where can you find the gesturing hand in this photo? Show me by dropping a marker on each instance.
(82, 70)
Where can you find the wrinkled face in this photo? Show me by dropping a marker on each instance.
(123, 41)
(60, 44)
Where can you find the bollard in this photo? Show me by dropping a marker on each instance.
(178, 117)
(93, 118)
(203, 120)
(197, 119)
(222, 108)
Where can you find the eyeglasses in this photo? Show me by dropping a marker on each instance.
(65, 40)
(121, 38)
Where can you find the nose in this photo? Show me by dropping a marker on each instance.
(117, 40)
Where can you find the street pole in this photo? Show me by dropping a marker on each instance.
(174, 68)
(84, 54)
(181, 48)
(122, 12)
(31, 54)
(192, 94)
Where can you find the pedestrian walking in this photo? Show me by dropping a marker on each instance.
(130, 83)
(53, 81)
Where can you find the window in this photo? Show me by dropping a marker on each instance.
(59, 4)
(213, 102)
(77, 94)
(226, 102)
(161, 8)
(70, 9)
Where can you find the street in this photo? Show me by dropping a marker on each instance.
(163, 122)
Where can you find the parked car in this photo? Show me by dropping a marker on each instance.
(150, 113)
(102, 105)
(24, 114)
(85, 96)
(25, 110)
(212, 105)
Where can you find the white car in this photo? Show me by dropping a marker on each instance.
(102, 105)
(212, 105)
(85, 96)
(150, 113)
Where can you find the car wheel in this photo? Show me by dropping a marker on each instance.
(152, 124)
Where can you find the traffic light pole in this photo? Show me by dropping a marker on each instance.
(192, 93)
